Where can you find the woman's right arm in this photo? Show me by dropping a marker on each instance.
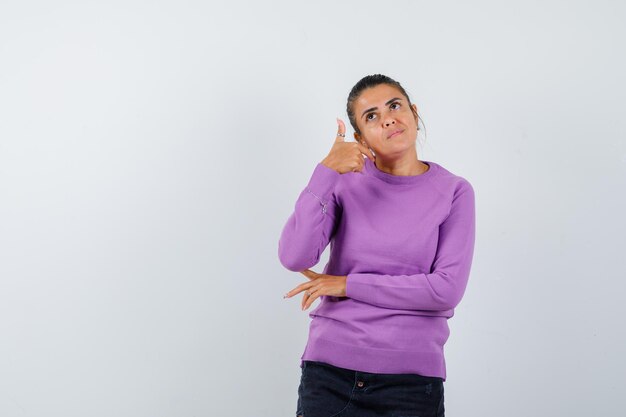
(311, 225)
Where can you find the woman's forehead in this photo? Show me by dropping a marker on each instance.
(377, 96)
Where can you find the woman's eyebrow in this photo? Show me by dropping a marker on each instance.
(374, 108)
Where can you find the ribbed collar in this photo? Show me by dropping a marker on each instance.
(370, 168)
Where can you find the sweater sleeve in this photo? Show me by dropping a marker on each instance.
(443, 288)
(310, 227)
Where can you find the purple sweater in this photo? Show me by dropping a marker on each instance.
(405, 244)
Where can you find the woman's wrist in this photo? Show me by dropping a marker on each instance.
(326, 163)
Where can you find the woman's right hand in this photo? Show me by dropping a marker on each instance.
(346, 156)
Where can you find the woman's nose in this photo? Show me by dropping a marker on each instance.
(390, 122)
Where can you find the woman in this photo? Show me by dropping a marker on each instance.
(401, 232)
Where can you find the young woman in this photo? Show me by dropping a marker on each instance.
(401, 232)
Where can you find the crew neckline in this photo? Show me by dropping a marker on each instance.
(371, 168)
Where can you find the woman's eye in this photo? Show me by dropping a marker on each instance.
(371, 115)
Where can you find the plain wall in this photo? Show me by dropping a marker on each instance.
(151, 152)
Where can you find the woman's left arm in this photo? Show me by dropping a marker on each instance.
(443, 288)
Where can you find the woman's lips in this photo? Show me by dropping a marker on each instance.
(394, 134)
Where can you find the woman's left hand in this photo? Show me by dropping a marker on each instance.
(319, 284)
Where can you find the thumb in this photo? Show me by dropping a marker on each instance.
(341, 131)
(309, 273)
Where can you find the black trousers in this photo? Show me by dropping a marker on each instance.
(329, 391)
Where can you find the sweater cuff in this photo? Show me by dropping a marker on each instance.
(357, 287)
(322, 181)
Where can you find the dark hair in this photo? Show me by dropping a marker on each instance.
(367, 82)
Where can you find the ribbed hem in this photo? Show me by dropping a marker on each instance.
(368, 359)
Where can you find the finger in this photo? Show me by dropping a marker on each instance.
(304, 297)
(298, 289)
(310, 300)
(341, 131)
(365, 150)
(359, 162)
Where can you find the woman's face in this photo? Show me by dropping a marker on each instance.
(387, 123)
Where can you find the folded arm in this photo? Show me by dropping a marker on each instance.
(443, 288)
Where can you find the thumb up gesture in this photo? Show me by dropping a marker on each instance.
(346, 156)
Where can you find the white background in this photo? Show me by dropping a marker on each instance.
(151, 152)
